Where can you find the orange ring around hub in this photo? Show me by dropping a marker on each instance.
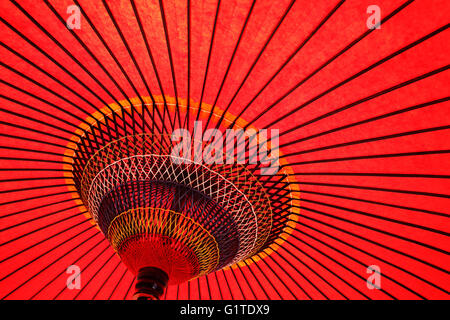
(205, 111)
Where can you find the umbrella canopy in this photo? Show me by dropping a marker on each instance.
(363, 124)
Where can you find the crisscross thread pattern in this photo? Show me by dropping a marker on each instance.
(172, 225)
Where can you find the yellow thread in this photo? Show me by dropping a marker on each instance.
(164, 222)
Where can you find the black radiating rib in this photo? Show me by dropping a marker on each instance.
(271, 257)
(249, 283)
(276, 185)
(36, 160)
(86, 267)
(43, 71)
(238, 42)
(206, 279)
(37, 188)
(172, 69)
(255, 263)
(46, 88)
(369, 240)
(315, 272)
(61, 273)
(200, 289)
(188, 110)
(67, 52)
(130, 53)
(413, 192)
(36, 207)
(348, 47)
(272, 34)
(417, 242)
(286, 273)
(38, 151)
(32, 159)
(114, 116)
(257, 280)
(40, 109)
(117, 284)
(40, 229)
(144, 81)
(228, 285)
(34, 178)
(354, 124)
(41, 255)
(374, 174)
(367, 214)
(352, 78)
(178, 289)
(92, 56)
(36, 120)
(96, 273)
(152, 60)
(282, 225)
(61, 257)
(332, 195)
(321, 264)
(188, 284)
(164, 296)
(188, 289)
(291, 56)
(37, 169)
(106, 279)
(318, 262)
(113, 56)
(46, 72)
(36, 197)
(43, 240)
(129, 288)
(37, 218)
(238, 284)
(6, 135)
(373, 96)
(386, 137)
(211, 45)
(218, 286)
(368, 253)
(278, 278)
(345, 267)
(348, 106)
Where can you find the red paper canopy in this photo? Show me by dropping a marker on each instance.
(363, 116)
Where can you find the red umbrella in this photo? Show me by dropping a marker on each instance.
(361, 194)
